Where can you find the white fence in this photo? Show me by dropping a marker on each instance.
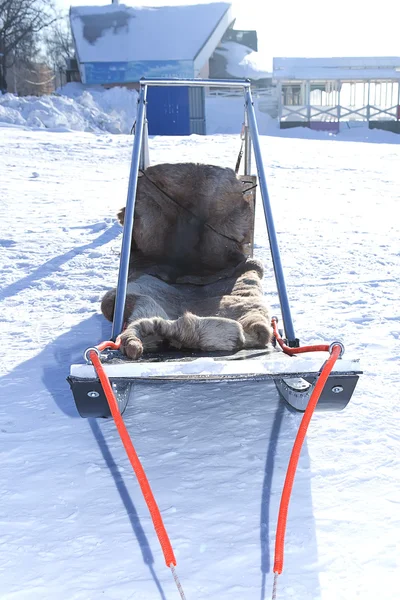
(266, 99)
(340, 101)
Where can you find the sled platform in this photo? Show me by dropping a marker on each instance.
(267, 371)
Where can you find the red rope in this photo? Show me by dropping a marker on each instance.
(133, 457)
(288, 350)
(108, 344)
(293, 462)
(300, 437)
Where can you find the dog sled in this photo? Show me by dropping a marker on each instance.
(280, 370)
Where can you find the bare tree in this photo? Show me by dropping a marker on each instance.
(59, 44)
(21, 23)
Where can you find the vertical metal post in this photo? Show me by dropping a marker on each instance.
(280, 102)
(273, 241)
(364, 110)
(247, 144)
(145, 155)
(118, 321)
(308, 98)
(302, 100)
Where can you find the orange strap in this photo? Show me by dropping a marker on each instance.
(294, 458)
(133, 457)
(300, 437)
(109, 344)
(288, 350)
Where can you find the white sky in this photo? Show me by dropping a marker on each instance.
(308, 28)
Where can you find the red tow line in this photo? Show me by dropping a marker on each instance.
(158, 523)
(335, 351)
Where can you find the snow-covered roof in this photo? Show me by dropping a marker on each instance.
(350, 69)
(134, 42)
(243, 62)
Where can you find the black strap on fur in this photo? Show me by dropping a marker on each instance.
(249, 189)
(193, 215)
(239, 158)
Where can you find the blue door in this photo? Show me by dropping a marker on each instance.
(168, 110)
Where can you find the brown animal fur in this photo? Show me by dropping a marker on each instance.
(189, 282)
(191, 218)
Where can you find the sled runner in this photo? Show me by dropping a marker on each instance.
(271, 371)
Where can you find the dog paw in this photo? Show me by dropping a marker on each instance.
(261, 333)
(131, 345)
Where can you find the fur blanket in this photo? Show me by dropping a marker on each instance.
(190, 282)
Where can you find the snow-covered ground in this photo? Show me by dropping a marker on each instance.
(74, 524)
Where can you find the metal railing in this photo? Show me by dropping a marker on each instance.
(226, 83)
(339, 112)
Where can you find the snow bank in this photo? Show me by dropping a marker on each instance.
(78, 108)
(243, 62)
(72, 108)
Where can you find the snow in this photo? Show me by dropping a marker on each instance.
(118, 33)
(208, 366)
(74, 524)
(77, 107)
(74, 108)
(243, 62)
(332, 68)
(377, 62)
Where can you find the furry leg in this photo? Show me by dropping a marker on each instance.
(207, 333)
(189, 331)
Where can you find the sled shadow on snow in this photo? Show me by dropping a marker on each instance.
(278, 428)
(129, 506)
(301, 558)
(55, 263)
(64, 351)
(51, 367)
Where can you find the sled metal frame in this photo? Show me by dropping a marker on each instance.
(140, 160)
(294, 379)
(272, 370)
